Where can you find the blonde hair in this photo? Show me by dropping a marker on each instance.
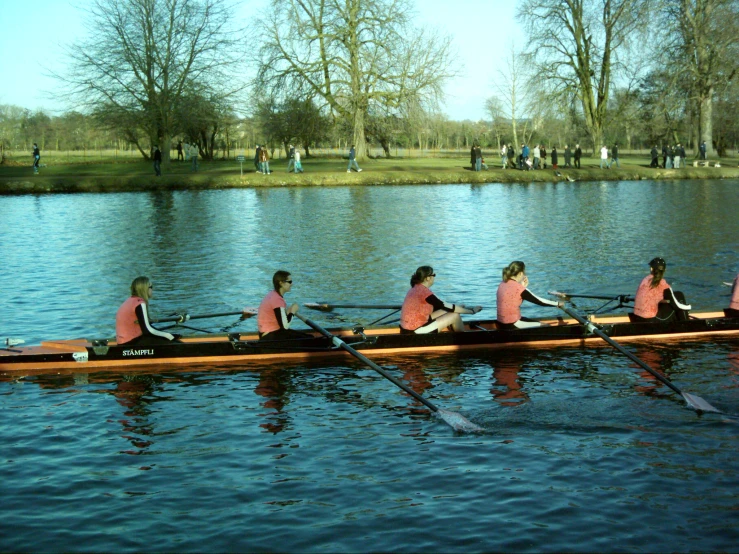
(140, 287)
(514, 268)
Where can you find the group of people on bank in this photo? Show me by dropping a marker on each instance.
(422, 311)
(536, 158)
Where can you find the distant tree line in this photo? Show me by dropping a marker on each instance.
(341, 72)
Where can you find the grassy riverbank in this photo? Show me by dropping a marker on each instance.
(139, 175)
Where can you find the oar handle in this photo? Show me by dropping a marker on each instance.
(592, 328)
(341, 344)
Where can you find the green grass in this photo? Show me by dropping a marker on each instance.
(128, 174)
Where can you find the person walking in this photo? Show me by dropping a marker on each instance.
(614, 157)
(291, 158)
(179, 152)
(504, 155)
(511, 156)
(604, 157)
(578, 155)
(655, 157)
(353, 160)
(298, 165)
(194, 157)
(157, 162)
(36, 157)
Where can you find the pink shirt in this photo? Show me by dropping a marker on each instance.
(127, 326)
(509, 301)
(648, 298)
(266, 318)
(416, 311)
(734, 305)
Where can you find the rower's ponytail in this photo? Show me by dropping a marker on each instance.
(420, 275)
(514, 268)
(658, 266)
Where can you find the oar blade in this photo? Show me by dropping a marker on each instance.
(458, 422)
(697, 403)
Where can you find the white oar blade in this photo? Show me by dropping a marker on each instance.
(458, 422)
(697, 403)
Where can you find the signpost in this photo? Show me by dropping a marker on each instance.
(241, 160)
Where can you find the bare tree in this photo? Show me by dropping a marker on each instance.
(574, 44)
(143, 57)
(354, 55)
(705, 35)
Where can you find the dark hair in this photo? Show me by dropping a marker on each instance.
(420, 275)
(658, 266)
(514, 268)
(278, 278)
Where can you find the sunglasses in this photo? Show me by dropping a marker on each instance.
(288, 282)
(432, 275)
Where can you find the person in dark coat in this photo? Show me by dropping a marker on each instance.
(157, 161)
(511, 156)
(578, 155)
(543, 156)
(655, 157)
(472, 157)
(257, 155)
(702, 150)
(555, 157)
(568, 155)
(665, 151)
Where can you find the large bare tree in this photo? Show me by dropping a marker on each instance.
(142, 58)
(574, 45)
(355, 55)
(704, 34)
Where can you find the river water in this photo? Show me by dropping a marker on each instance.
(582, 450)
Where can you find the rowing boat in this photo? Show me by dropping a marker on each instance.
(83, 355)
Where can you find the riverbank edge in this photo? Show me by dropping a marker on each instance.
(40, 184)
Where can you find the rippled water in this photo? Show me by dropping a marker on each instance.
(581, 452)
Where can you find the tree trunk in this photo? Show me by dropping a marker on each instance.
(706, 121)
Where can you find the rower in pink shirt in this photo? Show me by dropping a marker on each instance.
(512, 291)
(655, 300)
(273, 316)
(132, 325)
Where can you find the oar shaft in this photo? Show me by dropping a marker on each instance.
(186, 317)
(341, 344)
(593, 329)
(325, 306)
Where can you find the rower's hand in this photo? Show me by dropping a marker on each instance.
(293, 309)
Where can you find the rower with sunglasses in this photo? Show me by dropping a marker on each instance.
(423, 312)
(274, 317)
(132, 324)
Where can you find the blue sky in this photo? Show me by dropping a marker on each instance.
(32, 36)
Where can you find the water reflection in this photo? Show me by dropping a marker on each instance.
(273, 387)
(508, 386)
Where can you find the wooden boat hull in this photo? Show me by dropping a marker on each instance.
(83, 355)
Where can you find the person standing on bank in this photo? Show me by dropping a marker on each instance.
(157, 162)
(264, 160)
(132, 324)
(504, 155)
(273, 316)
(478, 158)
(614, 157)
(257, 158)
(555, 157)
(655, 157)
(36, 157)
(604, 157)
(423, 312)
(291, 159)
(353, 160)
(702, 150)
(578, 155)
(568, 156)
(179, 152)
(655, 300)
(512, 291)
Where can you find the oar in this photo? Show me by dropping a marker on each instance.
(181, 318)
(327, 307)
(567, 295)
(457, 421)
(695, 402)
